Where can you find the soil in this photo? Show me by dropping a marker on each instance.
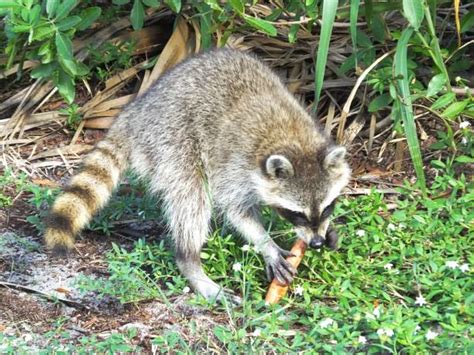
(37, 291)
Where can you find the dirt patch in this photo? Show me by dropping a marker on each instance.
(31, 280)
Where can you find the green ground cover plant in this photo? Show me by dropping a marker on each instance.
(401, 281)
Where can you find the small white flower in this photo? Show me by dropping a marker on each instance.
(326, 323)
(387, 332)
(457, 79)
(360, 233)
(186, 289)
(464, 141)
(391, 227)
(452, 264)
(362, 339)
(376, 312)
(417, 328)
(388, 266)
(256, 333)
(299, 290)
(464, 124)
(369, 316)
(246, 247)
(464, 267)
(430, 335)
(237, 267)
(402, 226)
(420, 301)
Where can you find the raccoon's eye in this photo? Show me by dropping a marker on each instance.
(328, 210)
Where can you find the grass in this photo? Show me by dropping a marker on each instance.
(407, 271)
(401, 281)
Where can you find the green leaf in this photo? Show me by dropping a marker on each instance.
(64, 9)
(405, 105)
(137, 15)
(46, 52)
(21, 28)
(42, 32)
(443, 101)
(260, 24)
(65, 85)
(414, 12)
(467, 21)
(64, 45)
(82, 69)
(69, 65)
(455, 109)
(88, 17)
(435, 85)
(380, 102)
(68, 23)
(238, 6)
(151, 3)
(9, 4)
(293, 32)
(328, 16)
(120, 2)
(44, 48)
(43, 71)
(464, 159)
(174, 5)
(353, 26)
(51, 7)
(35, 15)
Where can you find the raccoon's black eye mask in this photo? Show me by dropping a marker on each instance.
(300, 219)
(295, 218)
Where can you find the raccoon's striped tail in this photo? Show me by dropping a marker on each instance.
(87, 192)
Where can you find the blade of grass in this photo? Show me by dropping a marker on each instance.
(329, 14)
(435, 50)
(405, 105)
(353, 18)
(458, 22)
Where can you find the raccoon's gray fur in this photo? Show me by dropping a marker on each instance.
(219, 130)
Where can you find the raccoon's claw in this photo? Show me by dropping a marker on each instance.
(280, 269)
(332, 239)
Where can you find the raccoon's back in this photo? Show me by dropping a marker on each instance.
(219, 98)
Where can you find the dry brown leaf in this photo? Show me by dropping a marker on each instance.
(70, 149)
(176, 49)
(99, 123)
(45, 182)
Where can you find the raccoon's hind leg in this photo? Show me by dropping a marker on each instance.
(189, 212)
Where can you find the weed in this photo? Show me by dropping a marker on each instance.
(400, 282)
(73, 116)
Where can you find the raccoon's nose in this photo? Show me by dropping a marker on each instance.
(317, 242)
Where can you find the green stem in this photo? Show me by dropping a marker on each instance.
(436, 51)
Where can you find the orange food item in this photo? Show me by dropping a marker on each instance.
(276, 290)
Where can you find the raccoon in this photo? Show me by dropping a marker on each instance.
(218, 132)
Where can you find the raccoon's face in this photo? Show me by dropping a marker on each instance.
(304, 189)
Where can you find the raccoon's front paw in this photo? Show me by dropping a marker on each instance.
(332, 239)
(277, 267)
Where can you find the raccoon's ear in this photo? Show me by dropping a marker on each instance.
(279, 167)
(335, 157)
